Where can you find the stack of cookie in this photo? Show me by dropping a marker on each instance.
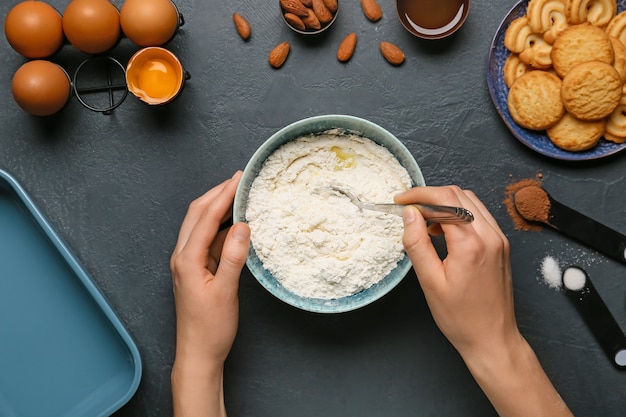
(567, 71)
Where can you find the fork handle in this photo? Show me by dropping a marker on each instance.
(445, 214)
(433, 213)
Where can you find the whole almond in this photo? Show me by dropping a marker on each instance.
(242, 26)
(372, 10)
(392, 53)
(294, 21)
(321, 11)
(346, 47)
(332, 5)
(311, 21)
(294, 6)
(278, 55)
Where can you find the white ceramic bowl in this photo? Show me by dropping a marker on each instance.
(308, 126)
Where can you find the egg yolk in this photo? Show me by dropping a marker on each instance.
(345, 160)
(158, 79)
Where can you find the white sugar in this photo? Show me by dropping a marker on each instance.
(574, 279)
(551, 272)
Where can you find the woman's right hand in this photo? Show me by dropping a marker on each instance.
(470, 295)
(470, 292)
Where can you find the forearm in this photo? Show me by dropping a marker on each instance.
(515, 382)
(197, 389)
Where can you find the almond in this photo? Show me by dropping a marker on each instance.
(242, 26)
(321, 11)
(278, 55)
(294, 6)
(294, 21)
(372, 10)
(346, 47)
(307, 3)
(332, 5)
(311, 21)
(392, 53)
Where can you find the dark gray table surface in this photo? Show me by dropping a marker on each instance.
(116, 187)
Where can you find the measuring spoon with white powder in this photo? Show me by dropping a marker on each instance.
(595, 313)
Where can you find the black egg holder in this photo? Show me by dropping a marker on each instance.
(111, 86)
(112, 65)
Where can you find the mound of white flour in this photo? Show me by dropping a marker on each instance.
(313, 239)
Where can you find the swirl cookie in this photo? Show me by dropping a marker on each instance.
(532, 49)
(547, 17)
(591, 90)
(616, 123)
(619, 62)
(580, 43)
(597, 12)
(514, 68)
(538, 54)
(534, 100)
(574, 135)
(517, 34)
(617, 27)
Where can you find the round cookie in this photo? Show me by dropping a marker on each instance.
(591, 90)
(534, 100)
(578, 44)
(574, 135)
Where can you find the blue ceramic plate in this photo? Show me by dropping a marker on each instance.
(63, 351)
(308, 126)
(537, 141)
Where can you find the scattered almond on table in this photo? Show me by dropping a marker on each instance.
(347, 47)
(372, 10)
(312, 15)
(278, 55)
(391, 53)
(242, 26)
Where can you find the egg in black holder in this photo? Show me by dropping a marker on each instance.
(107, 94)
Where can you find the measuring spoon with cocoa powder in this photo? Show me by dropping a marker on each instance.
(534, 204)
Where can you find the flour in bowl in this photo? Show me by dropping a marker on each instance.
(314, 240)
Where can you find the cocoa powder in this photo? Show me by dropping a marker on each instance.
(532, 203)
(519, 222)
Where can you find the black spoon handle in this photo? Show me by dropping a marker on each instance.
(597, 317)
(588, 231)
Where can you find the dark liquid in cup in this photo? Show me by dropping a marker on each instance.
(431, 14)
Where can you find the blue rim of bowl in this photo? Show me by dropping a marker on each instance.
(535, 140)
(312, 125)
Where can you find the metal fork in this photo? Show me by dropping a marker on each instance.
(433, 213)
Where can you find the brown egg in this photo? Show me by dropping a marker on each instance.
(34, 29)
(41, 87)
(92, 26)
(149, 22)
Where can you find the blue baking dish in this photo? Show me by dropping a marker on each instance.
(63, 351)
